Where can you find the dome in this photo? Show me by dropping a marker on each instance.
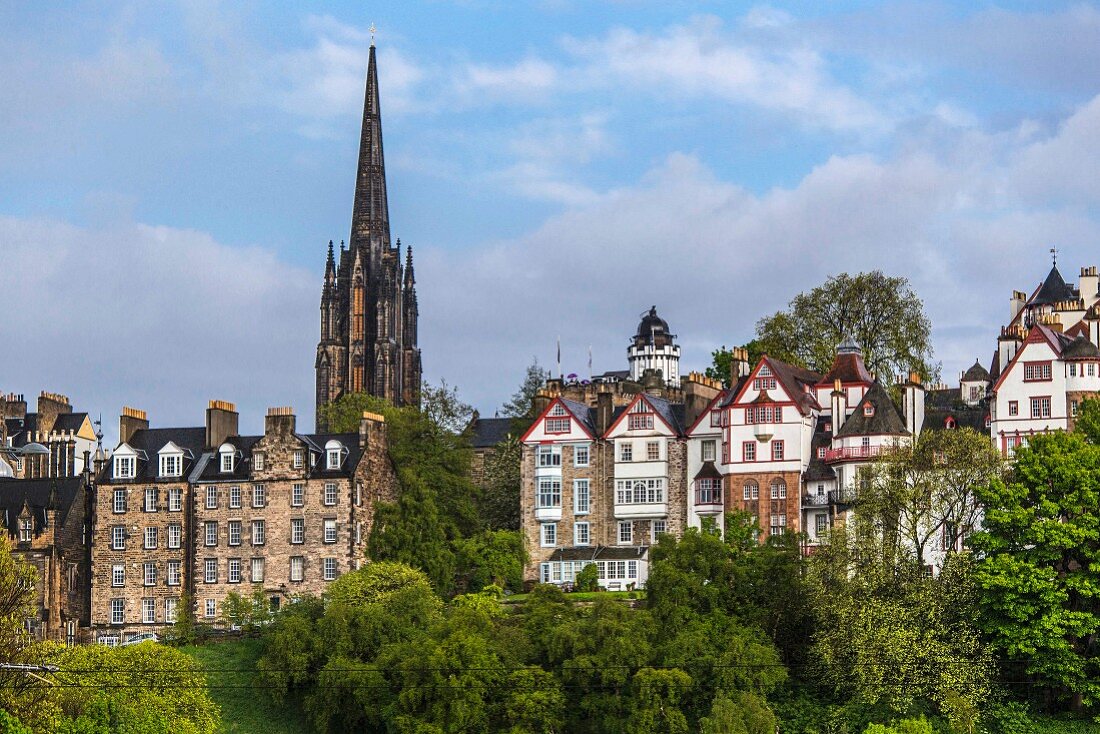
(653, 329)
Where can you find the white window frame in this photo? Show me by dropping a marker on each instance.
(149, 610)
(297, 530)
(297, 568)
(118, 501)
(582, 496)
(548, 493)
(235, 497)
(233, 571)
(709, 450)
(171, 606)
(118, 611)
(118, 575)
(329, 530)
(626, 451)
(171, 465)
(582, 454)
(226, 461)
(150, 502)
(175, 499)
(299, 459)
(210, 571)
(173, 573)
(118, 537)
(625, 533)
(548, 457)
(256, 564)
(298, 494)
(149, 573)
(234, 532)
(210, 533)
(151, 538)
(654, 530)
(548, 535)
(259, 496)
(125, 467)
(331, 494)
(333, 459)
(329, 570)
(175, 535)
(211, 497)
(211, 608)
(259, 538)
(582, 533)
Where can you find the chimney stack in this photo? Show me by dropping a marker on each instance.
(1019, 298)
(221, 422)
(279, 421)
(131, 421)
(739, 364)
(839, 406)
(604, 409)
(370, 424)
(913, 399)
(698, 390)
(51, 405)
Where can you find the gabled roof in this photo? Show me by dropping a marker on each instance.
(885, 420)
(976, 373)
(1053, 289)
(146, 442)
(795, 381)
(935, 419)
(578, 411)
(671, 413)
(488, 432)
(37, 494)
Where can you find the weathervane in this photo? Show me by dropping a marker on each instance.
(372, 30)
(1054, 255)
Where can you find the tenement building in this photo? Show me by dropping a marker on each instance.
(69, 435)
(201, 512)
(368, 298)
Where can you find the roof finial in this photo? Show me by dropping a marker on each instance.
(1054, 255)
(372, 30)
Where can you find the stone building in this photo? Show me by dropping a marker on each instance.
(48, 522)
(205, 511)
(369, 311)
(69, 435)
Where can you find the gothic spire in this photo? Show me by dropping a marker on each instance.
(410, 278)
(330, 266)
(370, 215)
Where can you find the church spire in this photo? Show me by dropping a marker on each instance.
(370, 215)
(410, 279)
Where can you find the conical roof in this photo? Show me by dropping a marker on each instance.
(976, 373)
(1054, 289)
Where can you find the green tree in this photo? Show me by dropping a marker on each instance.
(882, 313)
(1087, 422)
(721, 360)
(656, 699)
(588, 579)
(1039, 566)
(520, 406)
(442, 406)
(501, 484)
(490, 558)
(745, 714)
(19, 692)
(534, 702)
(247, 613)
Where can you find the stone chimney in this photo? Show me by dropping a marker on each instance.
(1019, 298)
(739, 364)
(913, 404)
(279, 421)
(51, 405)
(221, 422)
(13, 406)
(372, 428)
(131, 421)
(1089, 284)
(604, 408)
(699, 390)
(839, 405)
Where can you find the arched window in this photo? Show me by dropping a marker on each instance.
(752, 490)
(779, 489)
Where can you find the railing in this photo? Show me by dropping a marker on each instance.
(815, 500)
(854, 452)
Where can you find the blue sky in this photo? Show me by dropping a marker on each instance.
(171, 172)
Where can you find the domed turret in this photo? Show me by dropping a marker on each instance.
(653, 348)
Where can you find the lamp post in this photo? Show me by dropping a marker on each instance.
(30, 449)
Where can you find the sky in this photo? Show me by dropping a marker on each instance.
(171, 174)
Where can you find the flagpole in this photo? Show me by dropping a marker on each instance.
(561, 375)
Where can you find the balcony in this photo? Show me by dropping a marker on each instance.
(815, 500)
(854, 453)
(708, 501)
(548, 514)
(641, 511)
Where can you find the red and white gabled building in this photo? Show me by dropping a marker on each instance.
(1047, 360)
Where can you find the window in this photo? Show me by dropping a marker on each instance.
(581, 455)
(557, 425)
(172, 574)
(821, 490)
(330, 530)
(330, 493)
(226, 456)
(118, 538)
(211, 498)
(26, 529)
(777, 451)
(358, 494)
(1013, 407)
(626, 532)
(581, 497)
(748, 451)
(549, 456)
(549, 492)
(175, 535)
(124, 467)
(558, 410)
(299, 459)
(257, 570)
(821, 452)
(150, 574)
(119, 504)
(150, 499)
(548, 535)
(118, 611)
(297, 568)
(258, 533)
(779, 489)
(150, 538)
(640, 422)
(298, 495)
(581, 535)
(328, 567)
(821, 522)
(358, 532)
(148, 610)
(234, 570)
(211, 608)
(297, 530)
(234, 497)
(763, 383)
(1040, 407)
(1036, 371)
(752, 490)
(1073, 408)
(659, 527)
(170, 610)
(259, 495)
(234, 532)
(118, 575)
(653, 451)
(709, 450)
(764, 414)
(868, 410)
(171, 465)
(175, 499)
(1092, 369)
(639, 491)
(257, 462)
(715, 418)
(333, 460)
(210, 533)
(708, 491)
(626, 451)
(1072, 373)
(210, 571)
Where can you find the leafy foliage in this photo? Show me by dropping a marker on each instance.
(521, 405)
(882, 313)
(501, 485)
(490, 558)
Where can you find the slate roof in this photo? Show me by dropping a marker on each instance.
(36, 494)
(708, 471)
(70, 421)
(817, 470)
(1081, 348)
(148, 441)
(886, 419)
(672, 413)
(582, 413)
(795, 380)
(486, 433)
(1053, 289)
(600, 553)
(935, 419)
(976, 373)
(847, 367)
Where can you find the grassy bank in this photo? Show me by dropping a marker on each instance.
(246, 708)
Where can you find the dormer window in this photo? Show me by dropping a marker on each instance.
(171, 465)
(26, 529)
(868, 410)
(334, 454)
(124, 467)
(226, 458)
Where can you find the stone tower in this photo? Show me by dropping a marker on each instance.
(368, 297)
